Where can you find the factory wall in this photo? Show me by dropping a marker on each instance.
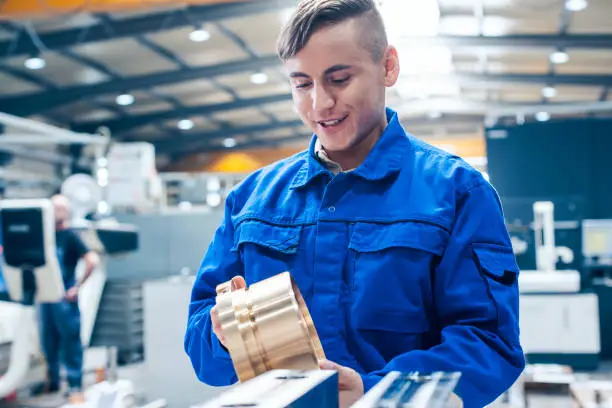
(566, 162)
(169, 242)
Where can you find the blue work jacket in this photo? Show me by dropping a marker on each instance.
(405, 264)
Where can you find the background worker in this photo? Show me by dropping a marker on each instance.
(61, 322)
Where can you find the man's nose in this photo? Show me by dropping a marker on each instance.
(322, 99)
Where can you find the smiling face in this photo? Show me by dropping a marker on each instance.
(339, 87)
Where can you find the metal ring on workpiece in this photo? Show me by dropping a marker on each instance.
(268, 326)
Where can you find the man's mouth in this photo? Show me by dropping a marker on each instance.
(332, 122)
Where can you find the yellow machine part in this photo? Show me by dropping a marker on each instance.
(15, 9)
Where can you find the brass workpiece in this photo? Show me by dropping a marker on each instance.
(268, 326)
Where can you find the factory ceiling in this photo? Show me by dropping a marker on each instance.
(204, 77)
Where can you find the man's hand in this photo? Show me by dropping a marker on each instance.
(214, 317)
(350, 385)
(72, 294)
(238, 282)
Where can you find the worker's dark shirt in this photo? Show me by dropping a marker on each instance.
(70, 248)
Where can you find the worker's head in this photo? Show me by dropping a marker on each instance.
(61, 209)
(339, 64)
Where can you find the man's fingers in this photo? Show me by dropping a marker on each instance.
(343, 374)
(329, 365)
(217, 325)
(238, 282)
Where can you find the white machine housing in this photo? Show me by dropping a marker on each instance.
(546, 277)
(558, 323)
(28, 230)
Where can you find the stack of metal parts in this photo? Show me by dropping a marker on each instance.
(267, 327)
(301, 389)
(120, 320)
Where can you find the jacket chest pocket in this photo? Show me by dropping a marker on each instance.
(265, 249)
(392, 274)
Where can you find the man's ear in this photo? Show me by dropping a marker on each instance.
(391, 65)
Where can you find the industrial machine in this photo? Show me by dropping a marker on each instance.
(559, 323)
(305, 389)
(597, 274)
(546, 277)
(32, 274)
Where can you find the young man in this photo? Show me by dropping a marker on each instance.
(61, 322)
(400, 249)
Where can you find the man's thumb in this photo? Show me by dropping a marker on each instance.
(328, 365)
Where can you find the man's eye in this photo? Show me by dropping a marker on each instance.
(340, 80)
(302, 85)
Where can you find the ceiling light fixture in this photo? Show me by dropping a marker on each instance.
(576, 5)
(559, 57)
(213, 199)
(542, 116)
(199, 35)
(125, 100)
(549, 92)
(229, 142)
(185, 124)
(259, 78)
(35, 63)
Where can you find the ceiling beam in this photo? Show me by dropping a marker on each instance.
(177, 145)
(585, 41)
(203, 142)
(168, 20)
(20, 9)
(257, 142)
(41, 101)
(141, 25)
(463, 112)
(551, 79)
(121, 125)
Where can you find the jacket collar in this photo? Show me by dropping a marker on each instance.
(386, 157)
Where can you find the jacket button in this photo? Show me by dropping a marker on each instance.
(331, 209)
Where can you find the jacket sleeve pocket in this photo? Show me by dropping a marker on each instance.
(497, 262)
(499, 270)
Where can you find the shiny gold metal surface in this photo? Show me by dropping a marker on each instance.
(267, 326)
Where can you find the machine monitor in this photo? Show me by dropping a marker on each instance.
(30, 267)
(597, 241)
